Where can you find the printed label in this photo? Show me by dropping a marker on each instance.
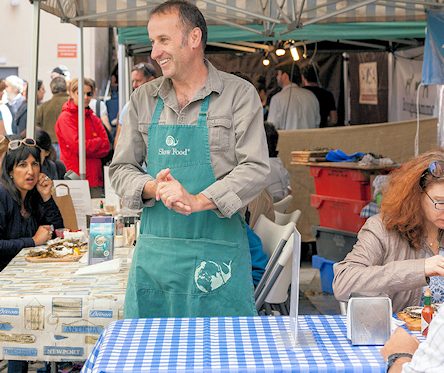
(9, 311)
(105, 314)
(19, 351)
(82, 329)
(62, 351)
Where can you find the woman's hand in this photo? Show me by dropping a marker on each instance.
(434, 266)
(43, 234)
(44, 186)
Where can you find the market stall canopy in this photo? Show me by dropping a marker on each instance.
(292, 14)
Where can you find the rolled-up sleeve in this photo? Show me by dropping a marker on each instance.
(248, 178)
(128, 178)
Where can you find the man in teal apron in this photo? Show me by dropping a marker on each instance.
(201, 135)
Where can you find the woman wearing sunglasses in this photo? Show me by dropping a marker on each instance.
(400, 250)
(96, 140)
(28, 214)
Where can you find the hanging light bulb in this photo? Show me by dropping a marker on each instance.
(280, 51)
(266, 61)
(294, 53)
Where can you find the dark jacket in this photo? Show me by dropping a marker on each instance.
(20, 118)
(48, 112)
(16, 232)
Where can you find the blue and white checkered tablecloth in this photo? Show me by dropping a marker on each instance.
(231, 344)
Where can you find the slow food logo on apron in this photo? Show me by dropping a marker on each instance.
(173, 150)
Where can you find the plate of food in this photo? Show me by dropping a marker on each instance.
(58, 250)
(412, 316)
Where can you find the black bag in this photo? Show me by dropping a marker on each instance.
(106, 160)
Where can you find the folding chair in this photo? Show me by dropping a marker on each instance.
(283, 204)
(272, 235)
(273, 288)
(284, 219)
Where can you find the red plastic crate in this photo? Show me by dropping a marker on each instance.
(339, 213)
(342, 182)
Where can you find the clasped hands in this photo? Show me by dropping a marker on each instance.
(173, 195)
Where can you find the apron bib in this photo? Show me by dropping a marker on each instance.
(188, 266)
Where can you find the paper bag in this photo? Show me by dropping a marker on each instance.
(62, 198)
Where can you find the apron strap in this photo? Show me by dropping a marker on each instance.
(157, 111)
(201, 121)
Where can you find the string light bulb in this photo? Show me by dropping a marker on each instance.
(280, 52)
(266, 61)
(294, 53)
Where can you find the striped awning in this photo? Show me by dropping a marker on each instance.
(291, 13)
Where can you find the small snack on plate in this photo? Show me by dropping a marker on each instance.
(59, 248)
(412, 316)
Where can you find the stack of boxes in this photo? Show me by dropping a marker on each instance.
(341, 194)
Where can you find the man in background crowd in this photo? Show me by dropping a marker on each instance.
(293, 107)
(327, 106)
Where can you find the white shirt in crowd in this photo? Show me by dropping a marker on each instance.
(278, 180)
(103, 109)
(429, 357)
(294, 108)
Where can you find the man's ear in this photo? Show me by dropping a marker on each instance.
(195, 37)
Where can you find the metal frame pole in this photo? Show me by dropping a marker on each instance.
(32, 84)
(81, 112)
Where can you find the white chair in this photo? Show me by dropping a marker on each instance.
(284, 219)
(272, 235)
(277, 279)
(283, 204)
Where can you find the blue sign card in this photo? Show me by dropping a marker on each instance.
(101, 239)
(433, 65)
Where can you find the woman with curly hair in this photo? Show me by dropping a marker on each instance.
(400, 250)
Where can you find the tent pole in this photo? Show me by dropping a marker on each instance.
(32, 84)
(390, 65)
(122, 77)
(346, 89)
(81, 109)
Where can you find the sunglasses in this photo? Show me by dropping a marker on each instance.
(436, 169)
(15, 144)
(88, 94)
(147, 71)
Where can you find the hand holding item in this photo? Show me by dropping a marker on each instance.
(43, 234)
(173, 195)
(400, 341)
(434, 266)
(44, 187)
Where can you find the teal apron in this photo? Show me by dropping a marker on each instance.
(188, 266)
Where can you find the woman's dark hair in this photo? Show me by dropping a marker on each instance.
(43, 139)
(11, 159)
(272, 139)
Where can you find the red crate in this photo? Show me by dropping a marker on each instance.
(339, 213)
(342, 182)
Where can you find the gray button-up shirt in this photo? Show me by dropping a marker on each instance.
(239, 153)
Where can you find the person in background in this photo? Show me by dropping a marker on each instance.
(61, 72)
(14, 99)
(399, 251)
(200, 132)
(405, 354)
(293, 108)
(20, 118)
(96, 140)
(279, 178)
(49, 111)
(99, 109)
(3, 107)
(54, 169)
(140, 74)
(327, 106)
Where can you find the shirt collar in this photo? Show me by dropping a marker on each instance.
(214, 83)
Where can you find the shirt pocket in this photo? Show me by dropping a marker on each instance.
(220, 132)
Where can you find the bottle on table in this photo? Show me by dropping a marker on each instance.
(427, 312)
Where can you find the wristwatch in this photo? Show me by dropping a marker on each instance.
(393, 357)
